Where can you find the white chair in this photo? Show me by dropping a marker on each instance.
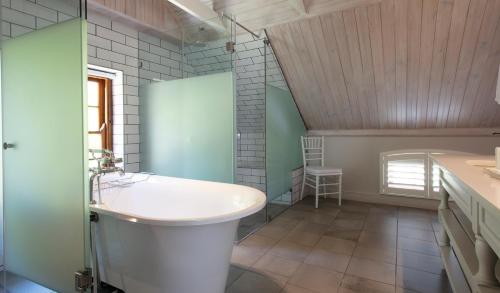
(316, 175)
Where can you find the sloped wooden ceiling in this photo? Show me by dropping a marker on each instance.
(395, 64)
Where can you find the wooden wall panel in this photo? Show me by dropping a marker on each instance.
(395, 64)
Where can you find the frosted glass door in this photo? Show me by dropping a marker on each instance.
(187, 127)
(44, 171)
(284, 127)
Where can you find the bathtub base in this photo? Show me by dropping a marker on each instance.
(145, 258)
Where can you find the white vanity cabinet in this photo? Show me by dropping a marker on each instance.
(473, 233)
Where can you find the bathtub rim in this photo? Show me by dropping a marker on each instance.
(236, 215)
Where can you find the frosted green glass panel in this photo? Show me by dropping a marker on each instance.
(43, 100)
(187, 127)
(284, 126)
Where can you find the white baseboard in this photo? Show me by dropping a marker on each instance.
(412, 202)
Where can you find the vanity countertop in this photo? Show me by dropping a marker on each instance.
(474, 177)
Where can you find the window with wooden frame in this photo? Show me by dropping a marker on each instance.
(100, 113)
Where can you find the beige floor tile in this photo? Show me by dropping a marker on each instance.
(422, 281)
(324, 242)
(379, 217)
(336, 245)
(358, 207)
(384, 210)
(333, 210)
(416, 213)
(345, 229)
(291, 250)
(278, 279)
(381, 224)
(294, 289)
(285, 222)
(424, 247)
(321, 218)
(351, 215)
(328, 260)
(415, 223)
(310, 227)
(372, 270)
(352, 284)
(234, 273)
(251, 282)
(303, 238)
(258, 244)
(295, 214)
(346, 225)
(276, 232)
(244, 256)
(278, 265)
(423, 235)
(421, 262)
(307, 233)
(352, 235)
(387, 255)
(316, 279)
(379, 240)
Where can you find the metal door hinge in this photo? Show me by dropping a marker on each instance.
(94, 217)
(230, 47)
(83, 280)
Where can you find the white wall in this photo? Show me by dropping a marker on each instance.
(359, 157)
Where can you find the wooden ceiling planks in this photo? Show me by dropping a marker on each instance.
(395, 64)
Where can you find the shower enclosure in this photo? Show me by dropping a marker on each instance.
(218, 131)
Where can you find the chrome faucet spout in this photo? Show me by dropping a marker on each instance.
(105, 164)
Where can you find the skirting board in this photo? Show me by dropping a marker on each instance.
(420, 203)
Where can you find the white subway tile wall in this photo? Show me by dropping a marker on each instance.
(158, 59)
(250, 71)
(111, 45)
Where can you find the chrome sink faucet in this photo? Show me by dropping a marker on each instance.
(106, 163)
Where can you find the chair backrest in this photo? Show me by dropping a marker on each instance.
(313, 150)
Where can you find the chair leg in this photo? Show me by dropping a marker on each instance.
(324, 186)
(317, 191)
(303, 185)
(340, 190)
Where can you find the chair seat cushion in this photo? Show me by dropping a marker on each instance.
(318, 170)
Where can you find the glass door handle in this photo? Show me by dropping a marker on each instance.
(8, 145)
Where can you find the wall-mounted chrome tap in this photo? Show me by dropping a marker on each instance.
(106, 163)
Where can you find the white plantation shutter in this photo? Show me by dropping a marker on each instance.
(411, 173)
(434, 180)
(405, 174)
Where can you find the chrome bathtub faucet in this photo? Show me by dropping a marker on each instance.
(106, 163)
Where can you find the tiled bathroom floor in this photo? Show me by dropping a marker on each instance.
(356, 248)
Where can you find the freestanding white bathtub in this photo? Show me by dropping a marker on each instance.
(169, 235)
